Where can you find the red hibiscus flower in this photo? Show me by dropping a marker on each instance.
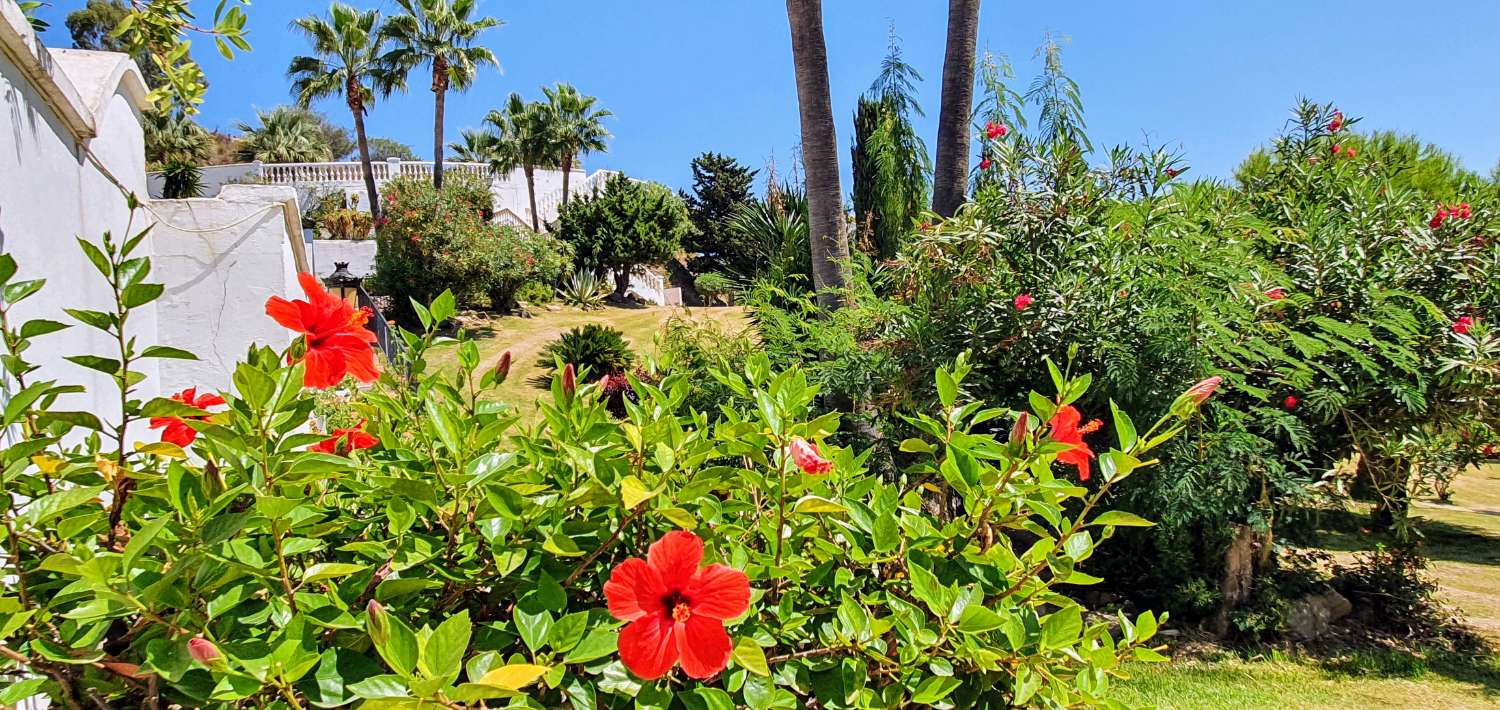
(175, 430)
(1065, 430)
(1022, 301)
(807, 457)
(1337, 122)
(1463, 324)
(337, 342)
(985, 164)
(995, 130)
(1276, 294)
(344, 441)
(1290, 402)
(676, 610)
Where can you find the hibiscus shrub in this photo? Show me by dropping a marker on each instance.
(435, 555)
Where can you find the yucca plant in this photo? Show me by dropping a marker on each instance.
(584, 289)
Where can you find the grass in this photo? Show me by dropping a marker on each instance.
(525, 338)
(1462, 539)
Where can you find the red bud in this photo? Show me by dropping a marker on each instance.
(1018, 432)
(569, 380)
(203, 651)
(502, 368)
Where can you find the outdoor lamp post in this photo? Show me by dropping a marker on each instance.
(344, 284)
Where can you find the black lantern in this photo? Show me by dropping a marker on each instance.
(344, 284)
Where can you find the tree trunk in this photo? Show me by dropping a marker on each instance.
(536, 226)
(567, 166)
(950, 175)
(622, 283)
(440, 95)
(820, 160)
(364, 159)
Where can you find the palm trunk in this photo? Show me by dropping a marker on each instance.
(536, 225)
(364, 161)
(567, 166)
(820, 160)
(440, 95)
(950, 175)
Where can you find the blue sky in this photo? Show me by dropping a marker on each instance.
(685, 76)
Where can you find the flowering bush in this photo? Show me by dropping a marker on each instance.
(434, 555)
(432, 240)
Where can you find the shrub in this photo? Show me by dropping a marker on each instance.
(584, 289)
(712, 287)
(595, 349)
(694, 349)
(1390, 587)
(432, 555)
(180, 179)
(347, 221)
(536, 293)
(626, 225)
(432, 241)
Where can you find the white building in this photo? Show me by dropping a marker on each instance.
(312, 180)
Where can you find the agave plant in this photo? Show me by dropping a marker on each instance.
(584, 289)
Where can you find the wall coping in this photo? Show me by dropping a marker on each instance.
(56, 74)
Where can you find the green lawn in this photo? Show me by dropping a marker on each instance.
(525, 338)
(1463, 543)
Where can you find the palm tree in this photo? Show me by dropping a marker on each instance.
(820, 158)
(580, 127)
(527, 137)
(347, 62)
(475, 146)
(284, 135)
(950, 175)
(440, 34)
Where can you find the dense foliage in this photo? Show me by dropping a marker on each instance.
(434, 554)
(721, 187)
(890, 165)
(435, 240)
(626, 225)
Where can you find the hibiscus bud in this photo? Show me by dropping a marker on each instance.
(569, 380)
(378, 624)
(805, 455)
(1021, 428)
(502, 368)
(1195, 396)
(204, 651)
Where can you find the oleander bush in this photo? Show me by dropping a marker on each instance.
(433, 554)
(432, 241)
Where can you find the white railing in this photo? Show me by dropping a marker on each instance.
(548, 205)
(353, 172)
(649, 285)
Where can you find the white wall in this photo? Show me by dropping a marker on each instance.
(60, 106)
(221, 258)
(359, 255)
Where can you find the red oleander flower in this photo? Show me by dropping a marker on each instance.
(1488, 450)
(1065, 430)
(1022, 301)
(1173, 172)
(1337, 122)
(1337, 149)
(1276, 294)
(1463, 324)
(1351, 153)
(175, 430)
(676, 610)
(1463, 211)
(805, 454)
(1290, 402)
(337, 342)
(1439, 217)
(203, 651)
(995, 130)
(985, 164)
(345, 441)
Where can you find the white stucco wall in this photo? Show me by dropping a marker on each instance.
(60, 106)
(221, 258)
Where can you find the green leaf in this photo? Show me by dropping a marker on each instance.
(706, 698)
(1120, 518)
(140, 294)
(398, 647)
(41, 326)
(599, 642)
(108, 366)
(330, 570)
(933, 689)
(815, 504)
(1124, 428)
(946, 387)
(54, 505)
(1061, 628)
(141, 541)
(633, 492)
(164, 351)
(750, 656)
(445, 649)
(978, 619)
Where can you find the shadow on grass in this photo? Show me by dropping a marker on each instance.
(1481, 668)
(1348, 531)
